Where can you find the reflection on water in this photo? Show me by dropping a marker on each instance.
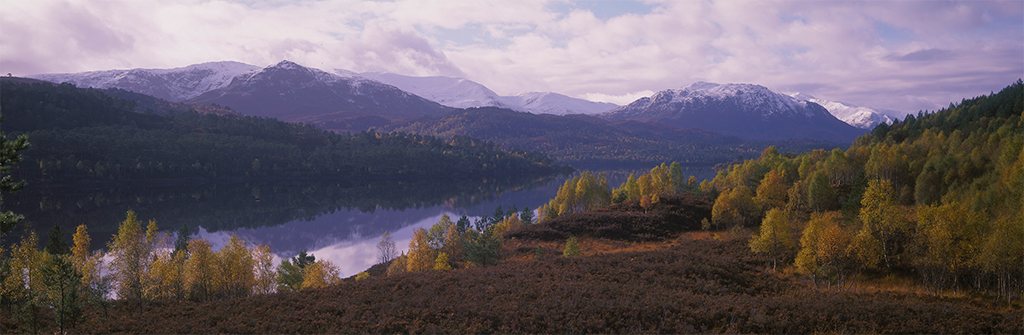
(340, 221)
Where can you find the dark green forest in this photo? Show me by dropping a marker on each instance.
(86, 135)
(587, 141)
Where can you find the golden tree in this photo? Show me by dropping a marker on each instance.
(775, 238)
(202, 272)
(132, 250)
(87, 264)
(236, 268)
(882, 218)
(264, 271)
(320, 274)
(421, 256)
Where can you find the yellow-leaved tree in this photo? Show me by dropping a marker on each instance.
(132, 250)
(201, 270)
(421, 256)
(264, 271)
(236, 268)
(88, 264)
(320, 274)
(883, 221)
(775, 238)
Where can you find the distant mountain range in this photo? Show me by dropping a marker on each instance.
(464, 93)
(860, 117)
(291, 92)
(347, 101)
(748, 111)
(175, 85)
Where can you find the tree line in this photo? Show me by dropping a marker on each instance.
(143, 265)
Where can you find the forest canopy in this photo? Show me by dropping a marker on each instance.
(85, 134)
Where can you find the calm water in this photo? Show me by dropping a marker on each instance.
(340, 221)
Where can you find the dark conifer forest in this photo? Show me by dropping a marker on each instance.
(86, 135)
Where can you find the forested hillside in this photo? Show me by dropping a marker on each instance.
(84, 134)
(938, 196)
(584, 140)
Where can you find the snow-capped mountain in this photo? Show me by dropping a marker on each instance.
(860, 117)
(448, 91)
(558, 104)
(291, 92)
(177, 84)
(464, 93)
(744, 110)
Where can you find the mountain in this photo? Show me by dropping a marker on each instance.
(176, 85)
(588, 141)
(464, 93)
(448, 91)
(748, 111)
(554, 103)
(291, 92)
(860, 117)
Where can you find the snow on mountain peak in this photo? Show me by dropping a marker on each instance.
(749, 94)
(860, 117)
(176, 84)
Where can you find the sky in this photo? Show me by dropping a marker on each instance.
(899, 55)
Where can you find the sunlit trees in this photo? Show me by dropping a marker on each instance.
(824, 249)
(421, 255)
(201, 270)
(572, 247)
(579, 194)
(88, 264)
(950, 236)
(775, 238)
(772, 191)
(291, 272)
(1002, 253)
(264, 271)
(734, 207)
(132, 251)
(882, 219)
(236, 269)
(321, 274)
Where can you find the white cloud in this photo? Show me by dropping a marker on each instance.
(870, 53)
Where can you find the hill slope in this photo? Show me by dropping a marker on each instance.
(291, 92)
(749, 111)
(176, 85)
(588, 140)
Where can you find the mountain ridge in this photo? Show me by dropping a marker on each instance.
(749, 111)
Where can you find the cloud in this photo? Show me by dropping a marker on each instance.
(874, 54)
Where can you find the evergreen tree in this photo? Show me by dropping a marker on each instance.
(181, 243)
(526, 216)
(56, 244)
(8, 157)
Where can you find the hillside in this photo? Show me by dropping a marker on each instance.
(584, 140)
(291, 92)
(691, 283)
(85, 135)
(751, 112)
(936, 198)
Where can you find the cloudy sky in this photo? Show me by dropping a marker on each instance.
(901, 55)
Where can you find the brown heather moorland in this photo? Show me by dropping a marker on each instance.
(688, 282)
